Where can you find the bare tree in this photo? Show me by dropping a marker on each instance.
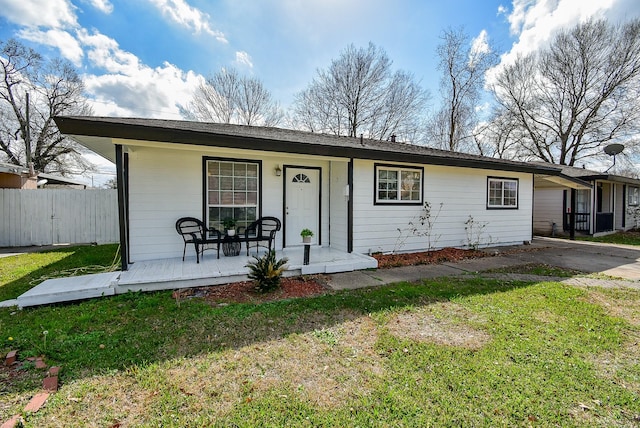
(227, 97)
(463, 64)
(359, 94)
(54, 88)
(499, 136)
(581, 92)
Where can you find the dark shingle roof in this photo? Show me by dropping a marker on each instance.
(280, 140)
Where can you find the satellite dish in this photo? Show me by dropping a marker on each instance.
(613, 149)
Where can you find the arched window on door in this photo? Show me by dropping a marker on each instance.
(301, 178)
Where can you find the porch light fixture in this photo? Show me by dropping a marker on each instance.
(278, 171)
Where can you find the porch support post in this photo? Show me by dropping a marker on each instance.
(122, 207)
(350, 207)
(572, 216)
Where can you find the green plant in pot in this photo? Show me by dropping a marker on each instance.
(229, 225)
(306, 235)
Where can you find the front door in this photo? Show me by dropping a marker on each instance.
(302, 204)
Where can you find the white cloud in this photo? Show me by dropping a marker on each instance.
(502, 10)
(131, 88)
(104, 52)
(244, 59)
(102, 5)
(36, 13)
(67, 45)
(481, 43)
(534, 22)
(188, 16)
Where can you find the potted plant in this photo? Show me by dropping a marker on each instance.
(306, 235)
(229, 225)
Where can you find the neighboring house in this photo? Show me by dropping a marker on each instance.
(605, 206)
(356, 195)
(19, 177)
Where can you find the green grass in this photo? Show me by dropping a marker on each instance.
(539, 269)
(537, 354)
(631, 237)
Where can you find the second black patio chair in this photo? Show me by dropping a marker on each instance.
(260, 231)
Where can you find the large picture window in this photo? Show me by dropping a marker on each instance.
(398, 185)
(502, 193)
(231, 191)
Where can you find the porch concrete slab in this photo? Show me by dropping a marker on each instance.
(9, 303)
(68, 289)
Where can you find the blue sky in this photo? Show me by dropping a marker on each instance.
(144, 57)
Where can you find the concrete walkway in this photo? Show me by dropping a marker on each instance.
(616, 261)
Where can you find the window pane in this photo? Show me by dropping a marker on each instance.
(226, 183)
(226, 168)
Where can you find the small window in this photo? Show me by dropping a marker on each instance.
(502, 193)
(634, 196)
(398, 185)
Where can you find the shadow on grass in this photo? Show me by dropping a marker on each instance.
(20, 273)
(97, 336)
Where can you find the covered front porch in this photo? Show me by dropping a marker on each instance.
(173, 273)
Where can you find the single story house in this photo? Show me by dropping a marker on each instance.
(356, 195)
(607, 205)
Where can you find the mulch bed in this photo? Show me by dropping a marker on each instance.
(244, 292)
(426, 257)
(313, 285)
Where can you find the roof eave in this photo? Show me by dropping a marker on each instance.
(113, 130)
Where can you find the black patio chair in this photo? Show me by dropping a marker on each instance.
(262, 230)
(193, 231)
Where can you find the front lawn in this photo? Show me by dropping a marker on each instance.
(450, 352)
(630, 237)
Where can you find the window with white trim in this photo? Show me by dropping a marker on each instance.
(231, 192)
(398, 185)
(502, 193)
(634, 196)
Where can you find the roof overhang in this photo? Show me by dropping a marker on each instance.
(548, 181)
(101, 134)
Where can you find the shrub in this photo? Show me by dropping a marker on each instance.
(266, 271)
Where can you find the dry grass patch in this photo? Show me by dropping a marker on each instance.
(442, 323)
(618, 303)
(324, 367)
(110, 400)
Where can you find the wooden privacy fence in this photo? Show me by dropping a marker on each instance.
(58, 216)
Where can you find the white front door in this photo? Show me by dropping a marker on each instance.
(302, 206)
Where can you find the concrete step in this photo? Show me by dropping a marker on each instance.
(68, 289)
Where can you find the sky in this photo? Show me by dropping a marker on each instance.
(143, 58)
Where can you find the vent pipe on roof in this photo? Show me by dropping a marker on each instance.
(393, 138)
(361, 139)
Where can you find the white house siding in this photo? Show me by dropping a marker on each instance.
(166, 184)
(462, 192)
(547, 203)
(338, 208)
